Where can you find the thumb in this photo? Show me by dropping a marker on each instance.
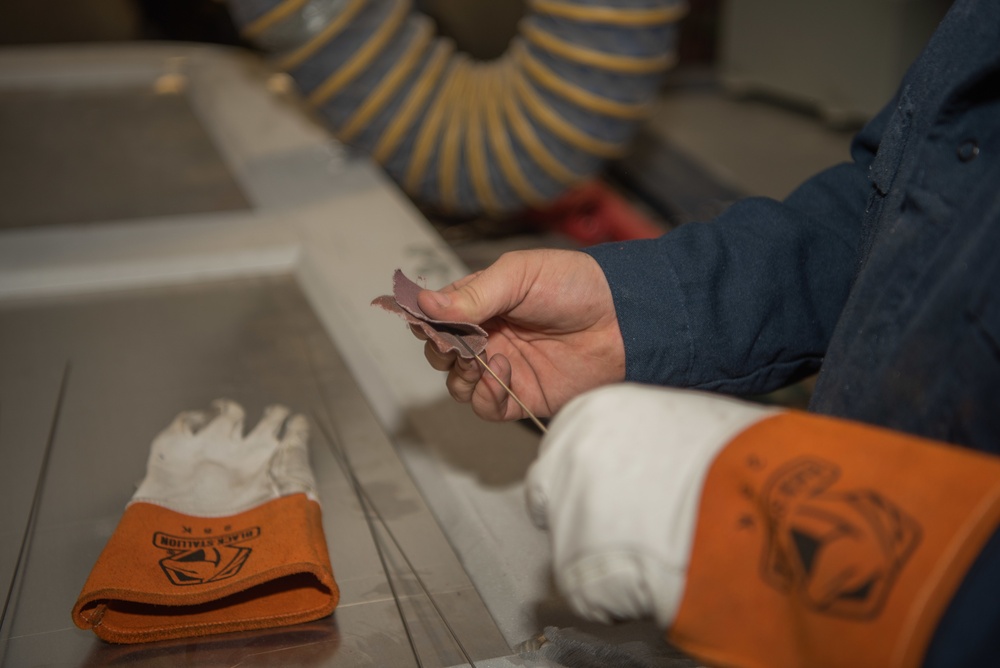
(475, 299)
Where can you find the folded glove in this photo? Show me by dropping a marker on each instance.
(223, 534)
(759, 537)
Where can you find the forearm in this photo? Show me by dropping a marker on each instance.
(745, 303)
(778, 538)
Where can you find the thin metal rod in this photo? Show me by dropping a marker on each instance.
(392, 587)
(18, 576)
(368, 510)
(341, 456)
(367, 503)
(538, 423)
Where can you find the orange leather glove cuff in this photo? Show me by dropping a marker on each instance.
(821, 542)
(167, 575)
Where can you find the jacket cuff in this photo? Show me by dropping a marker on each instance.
(649, 305)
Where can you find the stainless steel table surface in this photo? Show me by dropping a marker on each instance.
(131, 361)
(175, 228)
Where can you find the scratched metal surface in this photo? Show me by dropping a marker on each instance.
(69, 462)
(117, 153)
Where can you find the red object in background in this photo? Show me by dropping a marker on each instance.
(593, 213)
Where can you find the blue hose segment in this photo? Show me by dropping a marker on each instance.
(310, 74)
(248, 11)
(340, 108)
(570, 118)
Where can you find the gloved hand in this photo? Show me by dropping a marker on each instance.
(223, 534)
(617, 484)
(756, 536)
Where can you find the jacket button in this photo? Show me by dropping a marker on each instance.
(968, 150)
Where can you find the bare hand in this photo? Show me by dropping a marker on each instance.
(553, 333)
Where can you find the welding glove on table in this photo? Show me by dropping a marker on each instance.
(756, 536)
(223, 534)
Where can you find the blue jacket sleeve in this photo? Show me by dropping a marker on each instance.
(745, 303)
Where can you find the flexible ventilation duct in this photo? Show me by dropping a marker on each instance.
(470, 136)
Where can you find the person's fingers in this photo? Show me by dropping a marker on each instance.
(489, 400)
(439, 305)
(418, 332)
(433, 300)
(462, 379)
(460, 283)
(476, 298)
(437, 359)
(270, 424)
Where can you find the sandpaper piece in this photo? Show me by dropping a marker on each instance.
(403, 302)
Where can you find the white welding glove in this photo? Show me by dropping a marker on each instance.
(617, 484)
(757, 536)
(223, 534)
(203, 465)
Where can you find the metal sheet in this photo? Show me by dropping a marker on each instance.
(137, 359)
(26, 410)
(110, 154)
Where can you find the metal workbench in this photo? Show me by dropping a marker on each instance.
(174, 228)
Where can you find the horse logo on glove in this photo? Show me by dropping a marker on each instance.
(839, 550)
(207, 559)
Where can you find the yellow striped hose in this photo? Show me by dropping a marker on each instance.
(469, 136)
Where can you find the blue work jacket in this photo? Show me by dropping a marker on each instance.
(882, 273)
